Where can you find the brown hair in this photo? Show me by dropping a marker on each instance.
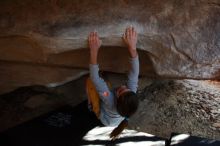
(127, 105)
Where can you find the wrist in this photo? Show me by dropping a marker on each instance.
(93, 58)
(93, 61)
(133, 53)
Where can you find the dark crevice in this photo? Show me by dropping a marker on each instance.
(214, 4)
(41, 64)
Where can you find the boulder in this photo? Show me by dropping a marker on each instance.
(177, 39)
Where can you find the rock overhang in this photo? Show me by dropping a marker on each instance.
(180, 39)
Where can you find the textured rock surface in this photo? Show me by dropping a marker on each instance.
(14, 75)
(184, 106)
(179, 39)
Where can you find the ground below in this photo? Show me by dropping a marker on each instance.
(183, 106)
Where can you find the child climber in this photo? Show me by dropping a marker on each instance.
(116, 106)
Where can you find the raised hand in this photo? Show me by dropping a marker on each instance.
(130, 38)
(94, 45)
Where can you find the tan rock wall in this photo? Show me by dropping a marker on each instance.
(177, 39)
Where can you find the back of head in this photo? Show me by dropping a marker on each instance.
(127, 105)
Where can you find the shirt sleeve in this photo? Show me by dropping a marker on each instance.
(100, 84)
(133, 74)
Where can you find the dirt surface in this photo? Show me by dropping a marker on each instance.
(166, 106)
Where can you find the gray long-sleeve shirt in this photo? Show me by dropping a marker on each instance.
(108, 110)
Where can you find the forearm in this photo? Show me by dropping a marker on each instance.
(93, 67)
(133, 74)
(94, 72)
(134, 69)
